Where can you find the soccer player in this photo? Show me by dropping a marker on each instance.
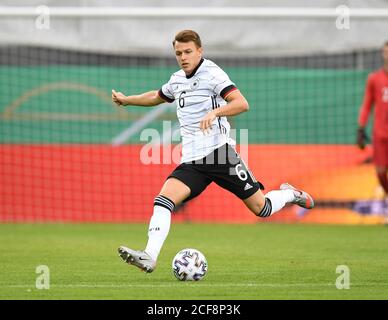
(204, 96)
(376, 94)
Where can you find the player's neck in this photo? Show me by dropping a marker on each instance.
(189, 75)
(385, 67)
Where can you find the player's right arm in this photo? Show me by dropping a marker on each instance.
(147, 99)
(364, 113)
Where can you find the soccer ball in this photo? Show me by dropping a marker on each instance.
(189, 265)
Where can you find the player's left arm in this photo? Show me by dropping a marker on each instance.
(364, 113)
(236, 104)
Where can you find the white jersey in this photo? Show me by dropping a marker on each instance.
(196, 95)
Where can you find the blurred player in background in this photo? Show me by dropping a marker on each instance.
(204, 96)
(376, 94)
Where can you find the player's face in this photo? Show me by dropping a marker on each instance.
(385, 54)
(188, 55)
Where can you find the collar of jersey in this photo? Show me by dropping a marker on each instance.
(195, 69)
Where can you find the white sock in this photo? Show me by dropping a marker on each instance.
(159, 226)
(277, 200)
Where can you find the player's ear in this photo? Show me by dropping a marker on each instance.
(200, 50)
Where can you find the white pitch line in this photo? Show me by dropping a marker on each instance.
(200, 284)
(170, 285)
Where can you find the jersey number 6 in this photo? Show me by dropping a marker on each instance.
(181, 100)
(242, 174)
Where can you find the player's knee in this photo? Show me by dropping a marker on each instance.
(260, 205)
(175, 190)
(257, 206)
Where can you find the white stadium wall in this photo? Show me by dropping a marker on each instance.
(151, 36)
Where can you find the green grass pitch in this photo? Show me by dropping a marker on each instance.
(263, 261)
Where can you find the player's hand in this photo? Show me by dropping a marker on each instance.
(118, 98)
(361, 138)
(206, 122)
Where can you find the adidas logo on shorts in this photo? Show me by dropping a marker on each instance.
(247, 187)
